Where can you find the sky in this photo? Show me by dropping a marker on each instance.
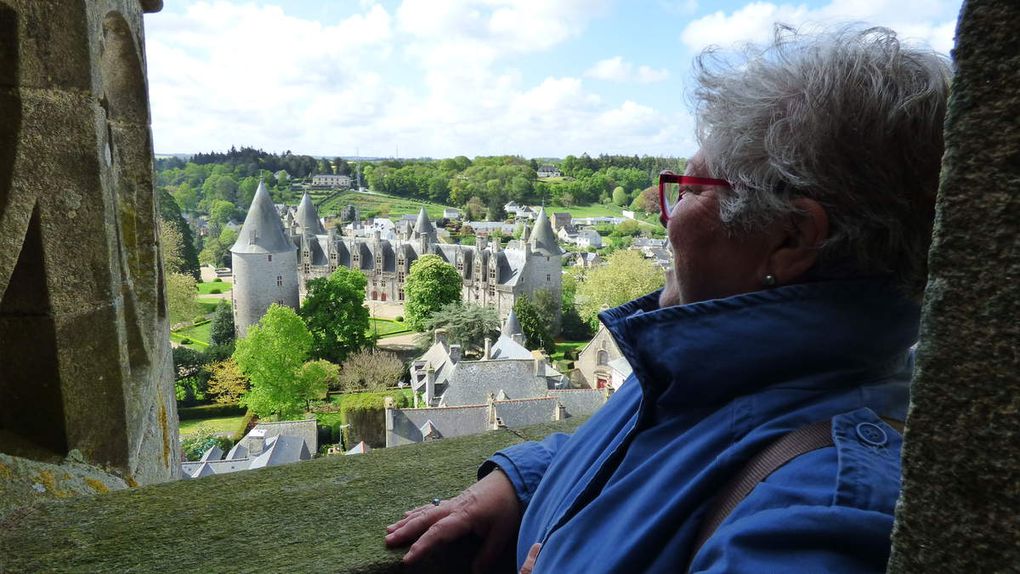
(440, 78)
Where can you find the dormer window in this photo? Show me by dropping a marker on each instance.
(252, 237)
(270, 257)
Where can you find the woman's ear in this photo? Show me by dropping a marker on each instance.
(802, 236)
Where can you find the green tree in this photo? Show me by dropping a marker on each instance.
(194, 445)
(221, 332)
(431, 284)
(620, 196)
(466, 324)
(535, 326)
(227, 384)
(371, 370)
(180, 297)
(625, 276)
(273, 356)
(170, 216)
(335, 313)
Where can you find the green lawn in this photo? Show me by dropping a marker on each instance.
(200, 334)
(209, 304)
(385, 327)
(226, 425)
(207, 288)
(370, 205)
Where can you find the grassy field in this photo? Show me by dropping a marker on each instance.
(207, 288)
(371, 205)
(199, 335)
(385, 327)
(208, 304)
(226, 425)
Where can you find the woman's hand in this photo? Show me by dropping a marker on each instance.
(489, 509)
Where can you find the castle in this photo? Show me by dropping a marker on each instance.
(273, 262)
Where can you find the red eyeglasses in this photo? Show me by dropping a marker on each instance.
(672, 187)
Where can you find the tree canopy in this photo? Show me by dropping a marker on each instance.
(221, 332)
(625, 276)
(370, 370)
(536, 324)
(335, 313)
(273, 356)
(466, 324)
(431, 284)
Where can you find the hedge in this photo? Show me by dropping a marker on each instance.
(210, 412)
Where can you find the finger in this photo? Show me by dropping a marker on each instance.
(415, 526)
(529, 562)
(408, 516)
(441, 533)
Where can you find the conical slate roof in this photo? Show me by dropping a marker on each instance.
(423, 225)
(262, 231)
(511, 326)
(308, 217)
(542, 239)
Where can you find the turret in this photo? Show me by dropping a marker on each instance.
(512, 329)
(424, 231)
(308, 217)
(264, 262)
(543, 240)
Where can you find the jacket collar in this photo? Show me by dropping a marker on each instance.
(807, 336)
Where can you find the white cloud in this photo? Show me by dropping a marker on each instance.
(435, 78)
(928, 22)
(616, 69)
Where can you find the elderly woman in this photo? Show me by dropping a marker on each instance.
(799, 233)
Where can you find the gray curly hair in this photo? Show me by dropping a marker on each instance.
(851, 119)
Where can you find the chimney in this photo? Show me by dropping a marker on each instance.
(539, 366)
(455, 354)
(256, 442)
(482, 243)
(376, 234)
(488, 349)
(388, 405)
(561, 412)
(430, 385)
(440, 337)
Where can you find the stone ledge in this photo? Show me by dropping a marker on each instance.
(324, 515)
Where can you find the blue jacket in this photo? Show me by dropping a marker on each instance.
(715, 382)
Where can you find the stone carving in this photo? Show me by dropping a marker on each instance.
(85, 364)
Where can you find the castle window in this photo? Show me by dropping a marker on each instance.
(307, 267)
(279, 280)
(492, 292)
(270, 257)
(602, 358)
(400, 262)
(252, 236)
(548, 277)
(400, 277)
(400, 294)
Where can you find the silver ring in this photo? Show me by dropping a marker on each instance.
(436, 501)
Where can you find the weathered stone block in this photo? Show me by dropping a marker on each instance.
(961, 497)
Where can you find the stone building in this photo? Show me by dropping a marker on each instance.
(274, 264)
(601, 364)
(264, 263)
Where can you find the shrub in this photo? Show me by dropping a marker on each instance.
(199, 320)
(399, 318)
(217, 280)
(215, 291)
(210, 412)
(194, 446)
(186, 341)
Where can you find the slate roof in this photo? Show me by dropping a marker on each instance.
(304, 429)
(423, 226)
(621, 366)
(471, 381)
(507, 348)
(524, 412)
(511, 325)
(542, 239)
(308, 217)
(264, 225)
(282, 449)
(360, 448)
(449, 421)
(579, 402)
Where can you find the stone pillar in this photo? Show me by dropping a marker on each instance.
(85, 361)
(960, 503)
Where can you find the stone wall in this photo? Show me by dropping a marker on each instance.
(960, 504)
(85, 365)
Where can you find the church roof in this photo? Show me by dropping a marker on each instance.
(262, 231)
(511, 326)
(308, 217)
(542, 239)
(423, 225)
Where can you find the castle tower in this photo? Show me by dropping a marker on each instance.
(543, 267)
(308, 217)
(265, 264)
(512, 329)
(424, 231)
(542, 239)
